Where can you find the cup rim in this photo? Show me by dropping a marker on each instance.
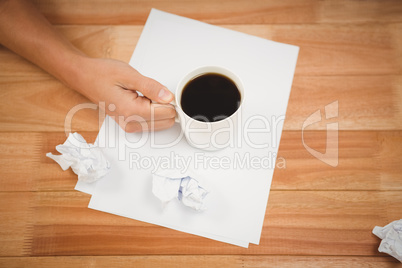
(239, 85)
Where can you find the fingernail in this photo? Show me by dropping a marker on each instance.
(165, 95)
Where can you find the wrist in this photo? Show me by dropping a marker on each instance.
(72, 71)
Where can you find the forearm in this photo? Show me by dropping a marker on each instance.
(25, 31)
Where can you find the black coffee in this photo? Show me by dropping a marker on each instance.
(210, 97)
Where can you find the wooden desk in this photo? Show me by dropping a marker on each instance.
(317, 215)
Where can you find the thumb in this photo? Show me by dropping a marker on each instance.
(153, 90)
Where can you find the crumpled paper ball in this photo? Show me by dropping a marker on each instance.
(167, 186)
(391, 236)
(86, 160)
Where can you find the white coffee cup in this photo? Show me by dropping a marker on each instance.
(209, 136)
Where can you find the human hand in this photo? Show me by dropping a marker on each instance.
(26, 31)
(116, 84)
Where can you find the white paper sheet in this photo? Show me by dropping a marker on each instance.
(391, 236)
(171, 185)
(169, 47)
(86, 160)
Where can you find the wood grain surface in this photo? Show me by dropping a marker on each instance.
(223, 12)
(198, 261)
(317, 215)
(327, 223)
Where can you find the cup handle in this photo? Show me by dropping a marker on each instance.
(176, 118)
